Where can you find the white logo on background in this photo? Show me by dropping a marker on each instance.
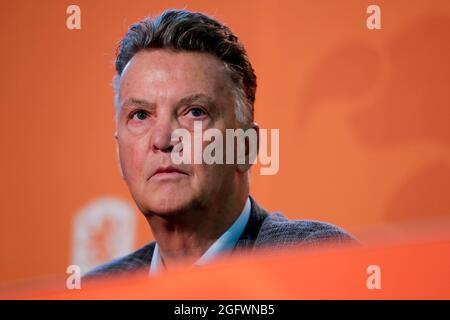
(102, 231)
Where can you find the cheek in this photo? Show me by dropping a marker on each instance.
(132, 159)
(212, 177)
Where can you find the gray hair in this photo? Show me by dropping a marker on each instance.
(181, 30)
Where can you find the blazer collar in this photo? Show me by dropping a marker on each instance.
(251, 231)
(246, 241)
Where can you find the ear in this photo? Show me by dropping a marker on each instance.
(251, 149)
(119, 163)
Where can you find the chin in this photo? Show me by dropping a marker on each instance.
(165, 197)
(166, 203)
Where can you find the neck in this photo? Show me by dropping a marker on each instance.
(185, 236)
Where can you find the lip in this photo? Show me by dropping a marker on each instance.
(168, 173)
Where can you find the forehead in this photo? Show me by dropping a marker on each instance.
(161, 73)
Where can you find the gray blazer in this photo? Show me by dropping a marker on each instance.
(262, 230)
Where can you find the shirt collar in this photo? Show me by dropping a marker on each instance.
(226, 242)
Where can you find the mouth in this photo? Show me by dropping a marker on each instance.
(169, 172)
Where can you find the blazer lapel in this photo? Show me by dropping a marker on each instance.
(257, 216)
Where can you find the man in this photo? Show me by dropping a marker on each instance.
(174, 71)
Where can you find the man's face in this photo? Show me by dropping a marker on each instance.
(161, 91)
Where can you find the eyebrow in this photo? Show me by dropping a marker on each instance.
(184, 101)
(138, 102)
(195, 98)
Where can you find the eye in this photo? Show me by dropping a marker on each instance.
(139, 115)
(197, 112)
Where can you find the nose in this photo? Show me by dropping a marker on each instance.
(160, 139)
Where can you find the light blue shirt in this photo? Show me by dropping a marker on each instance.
(226, 242)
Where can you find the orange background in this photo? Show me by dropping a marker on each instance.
(363, 116)
(415, 270)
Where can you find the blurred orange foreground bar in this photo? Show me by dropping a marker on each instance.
(408, 271)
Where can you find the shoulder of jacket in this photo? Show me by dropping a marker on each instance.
(278, 230)
(134, 261)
